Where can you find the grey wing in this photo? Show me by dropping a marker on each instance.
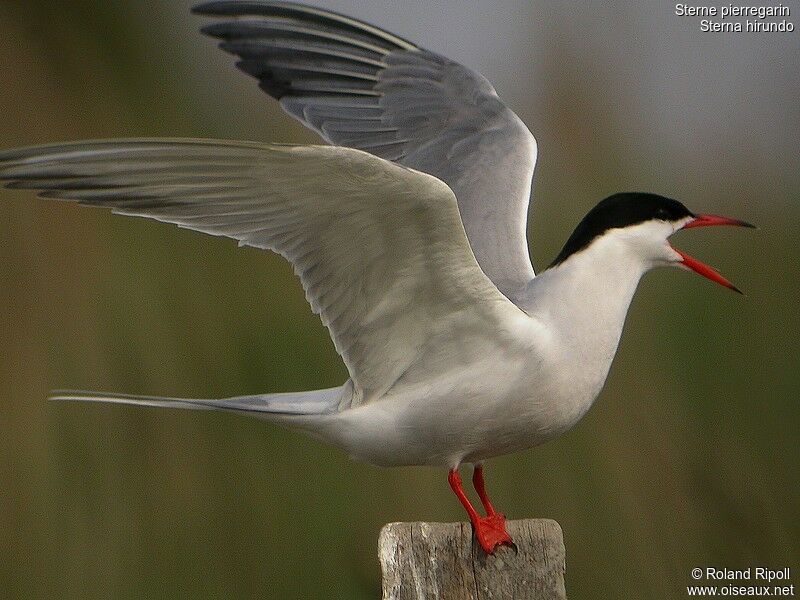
(365, 88)
(379, 248)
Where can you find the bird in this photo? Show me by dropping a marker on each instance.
(408, 233)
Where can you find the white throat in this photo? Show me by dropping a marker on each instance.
(584, 300)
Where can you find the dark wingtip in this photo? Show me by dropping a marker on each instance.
(199, 9)
(213, 30)
(276, 89)
(13, 184)
(229, 8)
(206, 8)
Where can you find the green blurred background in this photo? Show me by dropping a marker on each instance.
(689, 458)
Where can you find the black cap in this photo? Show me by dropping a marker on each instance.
(621, 210)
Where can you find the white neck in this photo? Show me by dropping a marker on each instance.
(583, 301)
(580, 306)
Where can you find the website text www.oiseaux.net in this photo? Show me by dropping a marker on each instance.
(742, 583)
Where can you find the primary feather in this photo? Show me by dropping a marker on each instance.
(359, 86)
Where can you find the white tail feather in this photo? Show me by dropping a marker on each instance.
(292, 403)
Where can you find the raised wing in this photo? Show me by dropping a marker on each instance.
(379, 248)
(362, 87)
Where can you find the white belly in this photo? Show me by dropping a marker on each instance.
(469, 415)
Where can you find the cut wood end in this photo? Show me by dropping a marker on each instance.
(443, 560)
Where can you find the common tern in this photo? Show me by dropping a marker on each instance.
(408, 234)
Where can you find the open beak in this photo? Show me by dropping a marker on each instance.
(701, 268)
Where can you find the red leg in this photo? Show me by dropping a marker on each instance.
(490, 530)
(480, 487)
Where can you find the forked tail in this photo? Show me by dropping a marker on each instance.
(292, 403)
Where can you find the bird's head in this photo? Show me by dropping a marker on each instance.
(639, 225)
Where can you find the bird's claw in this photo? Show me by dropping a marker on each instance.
(491, 532)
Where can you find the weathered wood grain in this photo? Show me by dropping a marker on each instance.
(442, 561)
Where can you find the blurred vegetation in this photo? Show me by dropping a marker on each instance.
(690, 458)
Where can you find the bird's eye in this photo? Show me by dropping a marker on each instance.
(662, 214)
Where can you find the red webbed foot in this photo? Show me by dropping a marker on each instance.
(491, 532)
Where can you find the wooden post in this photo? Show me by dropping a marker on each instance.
(442, 561)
